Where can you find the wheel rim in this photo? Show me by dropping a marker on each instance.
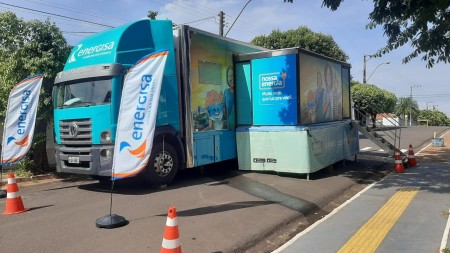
(163, 164)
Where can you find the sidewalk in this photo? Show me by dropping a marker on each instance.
(421, 227)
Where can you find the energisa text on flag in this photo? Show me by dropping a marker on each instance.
(137, 115)
(20, 119)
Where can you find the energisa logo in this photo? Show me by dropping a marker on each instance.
(97, 50)
(22, 120)
(146, 92)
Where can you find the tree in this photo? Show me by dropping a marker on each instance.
(152, 15)
(369, 99)
(434, 117)
(302, 37)
(405, 107)
(28, 48)
(424, 25)
(353, 83)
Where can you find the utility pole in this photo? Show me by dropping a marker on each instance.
(364, 70)
(410, 103)
(221, 22)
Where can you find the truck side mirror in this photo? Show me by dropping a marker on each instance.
(54, 96)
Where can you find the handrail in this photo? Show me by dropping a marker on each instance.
(390, 133)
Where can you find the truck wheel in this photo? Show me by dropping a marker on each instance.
(162, 165)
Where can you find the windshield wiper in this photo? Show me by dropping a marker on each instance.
(79, 104)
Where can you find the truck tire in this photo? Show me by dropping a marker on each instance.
(162, 165)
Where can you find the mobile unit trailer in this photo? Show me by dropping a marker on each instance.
(293, 111)
(196, 115)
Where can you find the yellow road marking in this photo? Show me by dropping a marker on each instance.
(370, 235)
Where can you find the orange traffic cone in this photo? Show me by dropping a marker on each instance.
(411, 159)
(398, 167)
(171, 240)
(14, 203)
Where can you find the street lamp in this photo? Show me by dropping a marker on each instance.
(237, 17)
(364, 69)
(367, 57)
(387, 62)
(410, 102)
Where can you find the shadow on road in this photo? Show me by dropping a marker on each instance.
(362, 171)
(39, 207)
(219, 208)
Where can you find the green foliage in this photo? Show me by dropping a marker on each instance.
(152, 15)
(372, 100)
(353, 83)
(424, 25)
(302, 37)
(434, 117)
(24, 168)
(406, 105)
(29, 48)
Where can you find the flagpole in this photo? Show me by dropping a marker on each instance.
(148, 74)
(111, 220)
(2, 192)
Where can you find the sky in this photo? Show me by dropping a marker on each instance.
(429, 87)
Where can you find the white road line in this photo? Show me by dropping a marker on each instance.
(403, 150)
(445, 236)
(366, 148)
(308, 229)
(447, 227)
(380, 150)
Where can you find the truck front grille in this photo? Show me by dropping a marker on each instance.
(75, 132)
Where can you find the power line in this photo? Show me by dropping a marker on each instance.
(184, 8)
(69, 22)
(84, 12)
(198, 20)
(57, 15)
(425, 95)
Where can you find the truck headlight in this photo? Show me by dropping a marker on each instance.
(105, 136)
(106, 153)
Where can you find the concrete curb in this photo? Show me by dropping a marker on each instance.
(30, 179)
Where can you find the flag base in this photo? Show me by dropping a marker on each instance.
(111, 221)
(2, 194)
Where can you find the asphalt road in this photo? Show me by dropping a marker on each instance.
(219, 209)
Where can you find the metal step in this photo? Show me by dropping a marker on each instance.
(376, 138)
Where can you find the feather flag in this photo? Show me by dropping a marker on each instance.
(20, 119)
(137, 115)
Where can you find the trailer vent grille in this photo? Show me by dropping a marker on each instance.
(75, 132)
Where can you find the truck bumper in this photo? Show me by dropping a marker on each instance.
(92, 160)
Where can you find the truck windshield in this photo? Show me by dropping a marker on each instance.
(86, 93)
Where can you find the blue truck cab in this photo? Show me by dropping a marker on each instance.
(195, 121)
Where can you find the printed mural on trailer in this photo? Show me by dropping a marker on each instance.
(321, 91)
(212, 79)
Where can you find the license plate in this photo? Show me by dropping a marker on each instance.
(74, 159)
